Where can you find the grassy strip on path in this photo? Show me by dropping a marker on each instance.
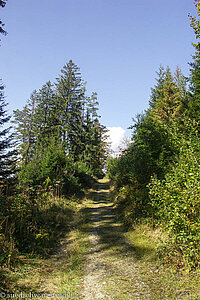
(111, 272)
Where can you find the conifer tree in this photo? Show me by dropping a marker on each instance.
(168, 99)
(2, 31)
(156, 92)
(6, 154)
(25, 129)
(70, 107)
(194, 103)
(45, 115)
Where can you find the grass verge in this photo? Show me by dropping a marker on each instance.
(61, 273)
(166, 281)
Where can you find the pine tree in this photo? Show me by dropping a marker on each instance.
(6, 154)
(45, 115)
(169, 98)
(194, 103)
(2, 31)
(70, 107)
(156, 92)
(25, 129)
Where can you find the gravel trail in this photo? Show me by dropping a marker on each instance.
(110, 268)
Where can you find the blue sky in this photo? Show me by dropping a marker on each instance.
(118, 45)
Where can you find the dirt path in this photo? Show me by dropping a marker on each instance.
(110, 268)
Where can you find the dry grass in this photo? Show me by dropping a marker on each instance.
(165, 281)
(62, 272)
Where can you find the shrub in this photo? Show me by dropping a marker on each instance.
(175, 202)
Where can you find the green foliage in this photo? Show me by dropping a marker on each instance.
(175, 201)
(34, 227)
(194, 21)
(84, 174)
(152, 147)
(50, 164)
(112, 169)
(150, 152)
(157, 177)
(168, 100)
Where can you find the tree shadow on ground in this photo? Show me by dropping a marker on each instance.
(103, 221)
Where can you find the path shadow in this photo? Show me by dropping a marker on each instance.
(104, 222)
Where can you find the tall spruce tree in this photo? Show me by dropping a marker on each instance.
(6, 155)
(194, 103)
(6, 168)
(25, 129)
(169, 97)
(45, 115)
(156, 92)
(70, 107)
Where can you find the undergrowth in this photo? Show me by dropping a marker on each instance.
(58, 264)
(162, 265)
(143, 240)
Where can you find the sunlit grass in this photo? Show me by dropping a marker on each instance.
(165, 281)
(63, 271)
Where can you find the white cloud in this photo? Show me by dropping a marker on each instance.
(116, 136)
